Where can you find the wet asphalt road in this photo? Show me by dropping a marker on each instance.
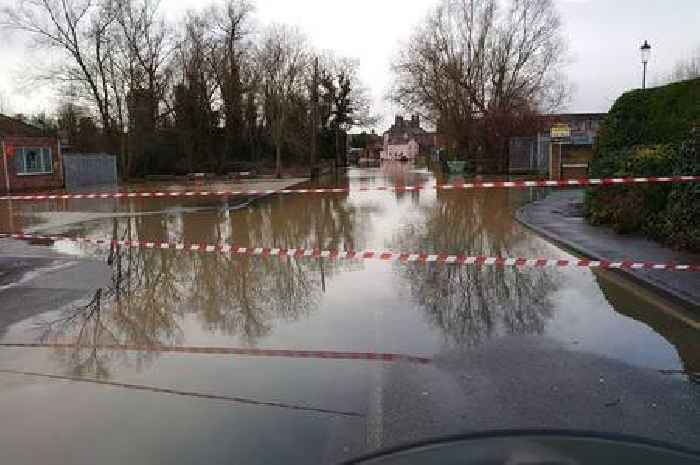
(537, 349)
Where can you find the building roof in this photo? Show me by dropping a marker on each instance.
(424, 139)
(409, 126)
(574, 116)
(399, 139)
(14, 127)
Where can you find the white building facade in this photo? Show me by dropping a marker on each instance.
(403, 140)
(407, 151)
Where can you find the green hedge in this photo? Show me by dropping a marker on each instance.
(650, 133)
(661, 115)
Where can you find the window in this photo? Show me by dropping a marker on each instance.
(33, 160)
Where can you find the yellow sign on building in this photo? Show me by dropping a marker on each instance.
(560, 131)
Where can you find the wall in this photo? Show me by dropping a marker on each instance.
(18, 182)
(575, 160)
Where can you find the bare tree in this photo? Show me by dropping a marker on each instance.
(283, 59)
(231, 30)
(472, 63)
(523, 59)
(68, 118)
(227, 89)
(4, 104)
(149, 43)
(345, 72)
(195, 95)
(346, 102)
(78, 28)
(314, 94)
(687, 68)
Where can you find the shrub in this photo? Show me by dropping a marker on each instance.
(668, 213)
(650, 133)
(679, 223)
(627, 208)
(661, 115)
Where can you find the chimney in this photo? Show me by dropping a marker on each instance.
(399, 121)
(415, 120)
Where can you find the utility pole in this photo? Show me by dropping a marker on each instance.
(314, 125)
(3, 148)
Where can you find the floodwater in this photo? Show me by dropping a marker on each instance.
(285, 409)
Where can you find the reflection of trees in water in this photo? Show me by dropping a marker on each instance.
(474, 222)
(681, 335)
(152, 290)
(244, 296)
(136, 309)
(297, 221)
(470, 303)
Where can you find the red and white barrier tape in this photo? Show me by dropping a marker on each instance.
(388, 256)
(331, 190)
(282, 353)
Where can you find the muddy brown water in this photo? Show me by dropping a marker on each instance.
(175, 298)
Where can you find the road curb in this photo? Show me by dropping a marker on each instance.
(678, 298)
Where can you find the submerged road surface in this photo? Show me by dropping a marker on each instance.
(128, 355)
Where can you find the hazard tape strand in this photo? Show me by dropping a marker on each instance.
(280, 353)
(387, 256)
(331, 190)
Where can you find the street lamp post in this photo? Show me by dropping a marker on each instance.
(646, 52)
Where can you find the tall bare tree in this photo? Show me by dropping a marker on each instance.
(150, 43)
(78, 28)
(346, 102)
(232, 27)
(687, 68)
(475, 63)
(315, 83)
(283, 59)
(4, 103)
(225, 88)
(197, 92)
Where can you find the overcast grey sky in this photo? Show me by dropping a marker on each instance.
(603, 37)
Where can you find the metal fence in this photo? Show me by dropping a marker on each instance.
(89, 169)
(529, 154)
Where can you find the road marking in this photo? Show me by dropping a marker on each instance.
(200, 395)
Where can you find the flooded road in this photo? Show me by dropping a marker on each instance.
(510, 347)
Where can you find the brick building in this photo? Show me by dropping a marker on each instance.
(29, 160)
(364, 147)
(405, 140)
